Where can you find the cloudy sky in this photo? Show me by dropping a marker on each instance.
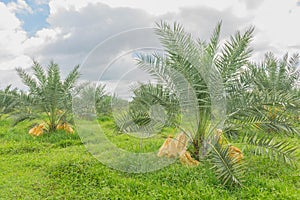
(67, 30)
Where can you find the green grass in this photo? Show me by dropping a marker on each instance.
(58, 166)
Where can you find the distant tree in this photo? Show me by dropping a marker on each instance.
(8, 99)
(92, 99)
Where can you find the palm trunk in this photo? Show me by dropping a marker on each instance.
(52, 124)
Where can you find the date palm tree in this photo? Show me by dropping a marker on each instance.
(7, 99)
(214, 74)
(265, 95)
(49, 94)
(94, 98)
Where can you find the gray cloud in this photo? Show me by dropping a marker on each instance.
(253, 4)
(83, 30)
(92, 25)
(88, 28)
(201, 21)
(294, 47)
(95, 23)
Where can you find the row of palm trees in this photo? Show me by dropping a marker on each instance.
(252, 100)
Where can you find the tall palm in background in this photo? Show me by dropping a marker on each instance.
(202, 64)
(48, 93)
(265, 96)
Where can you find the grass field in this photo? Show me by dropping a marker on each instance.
(58, 166)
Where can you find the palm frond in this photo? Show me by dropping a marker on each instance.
(137, 123)
(282, 150)
(264, 110)
(39, 73)
(28, 80)
(183, 52)
(71, 79)
(212, 47)
(235, 53)
(228, 169)
(8, 99)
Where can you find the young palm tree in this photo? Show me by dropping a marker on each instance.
(94, 100)
(204, 65)
(152, 108)
(8, 99)
(50, 94)
(266, 95)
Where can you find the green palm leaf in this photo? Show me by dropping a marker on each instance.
(279, 151)
(228, 169)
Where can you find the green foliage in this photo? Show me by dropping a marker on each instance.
(278, 150)
(265, 96)
(234, 54)
(93, 100)
(253, 93)
(147, 96)
(229, 170)
(48, 94)
(103, 101)
(200, 64)
(29, 167)
(8, 100)
(276, 74)
(262, 96)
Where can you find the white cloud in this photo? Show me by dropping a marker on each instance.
(12, 39)
(155, 7)
(10, 77)
(277, 24)
(18, 61)
(41, 2)
(19, 7)
(8, 21)
(57, 5)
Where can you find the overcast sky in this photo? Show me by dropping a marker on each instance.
(67, 30)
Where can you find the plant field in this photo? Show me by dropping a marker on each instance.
(210, 123)
(57, 166)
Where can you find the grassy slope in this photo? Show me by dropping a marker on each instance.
(59, 167)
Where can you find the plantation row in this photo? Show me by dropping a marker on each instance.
(238, 105)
